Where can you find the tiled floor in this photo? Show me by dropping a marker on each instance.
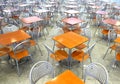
(8, 73)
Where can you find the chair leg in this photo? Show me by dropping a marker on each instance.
(106, 53)
(40, 49)
(31, 58)
(90, 59)
(54, 46)
(18, 70)
(82, 69)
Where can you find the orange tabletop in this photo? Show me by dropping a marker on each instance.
(67, 77)
(91, 3)
(117, 40)
(94, 6)
(72, 21)
(72, 12)
(70, 39)
(71, 6)
(117, 7)
(102, 12)
(12, 37)
(42, 10)
(30, 20)
(71, 3)
(112, 22)
(23, 5)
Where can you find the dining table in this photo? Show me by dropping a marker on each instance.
(72, 20)
(13, 37)
(70, 40)
(66, 77)
(31, 19)
(101, 12)
(112, 22)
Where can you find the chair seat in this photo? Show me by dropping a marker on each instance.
(78, 31)
(81, 46)
(32, 43)
(105, 32)
(66, 30)
(118, 57)
(24, 28)
(19, 55)
(78, 55)
(4, 50)
(15, 17)
(113, 47)
(60, 45)
(59, 55)
(103, 27)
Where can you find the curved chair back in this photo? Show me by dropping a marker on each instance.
(97, 71)
(9, 28)
(39, 70)
(49, 50)
(89, 50)
(21, 46)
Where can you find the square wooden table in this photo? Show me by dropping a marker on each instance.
(42, 10)
(72, 12)
(117, 7)
(71, 6)
(70, 40)
(102, 12)
(112, 22)
(31, 19)
(72, 21)
(67, 77)
(12, 37)
(24, 5)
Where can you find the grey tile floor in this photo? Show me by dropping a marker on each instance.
(8, 73)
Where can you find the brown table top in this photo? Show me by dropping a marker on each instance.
(67, 77)
(70, 39)
(72, 21)
(31, 19)
(117, 7)
(117, 40)
(112, 22)
(102, 12)
(72, 12)
(12, 37)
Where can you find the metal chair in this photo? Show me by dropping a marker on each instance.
(87, 33)
(9, 28)
(113, 47)
(81, 55)
(39, 70)
(97, 71)
(4, 50)
(58, 55)
(19, 52)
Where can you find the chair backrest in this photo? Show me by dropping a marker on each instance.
(97, 71)
(9, 28)
(112, 34)
(87, 32)
(90, 48)
(49, 50)
(21, 46)
(39, 70)
(84, 25)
